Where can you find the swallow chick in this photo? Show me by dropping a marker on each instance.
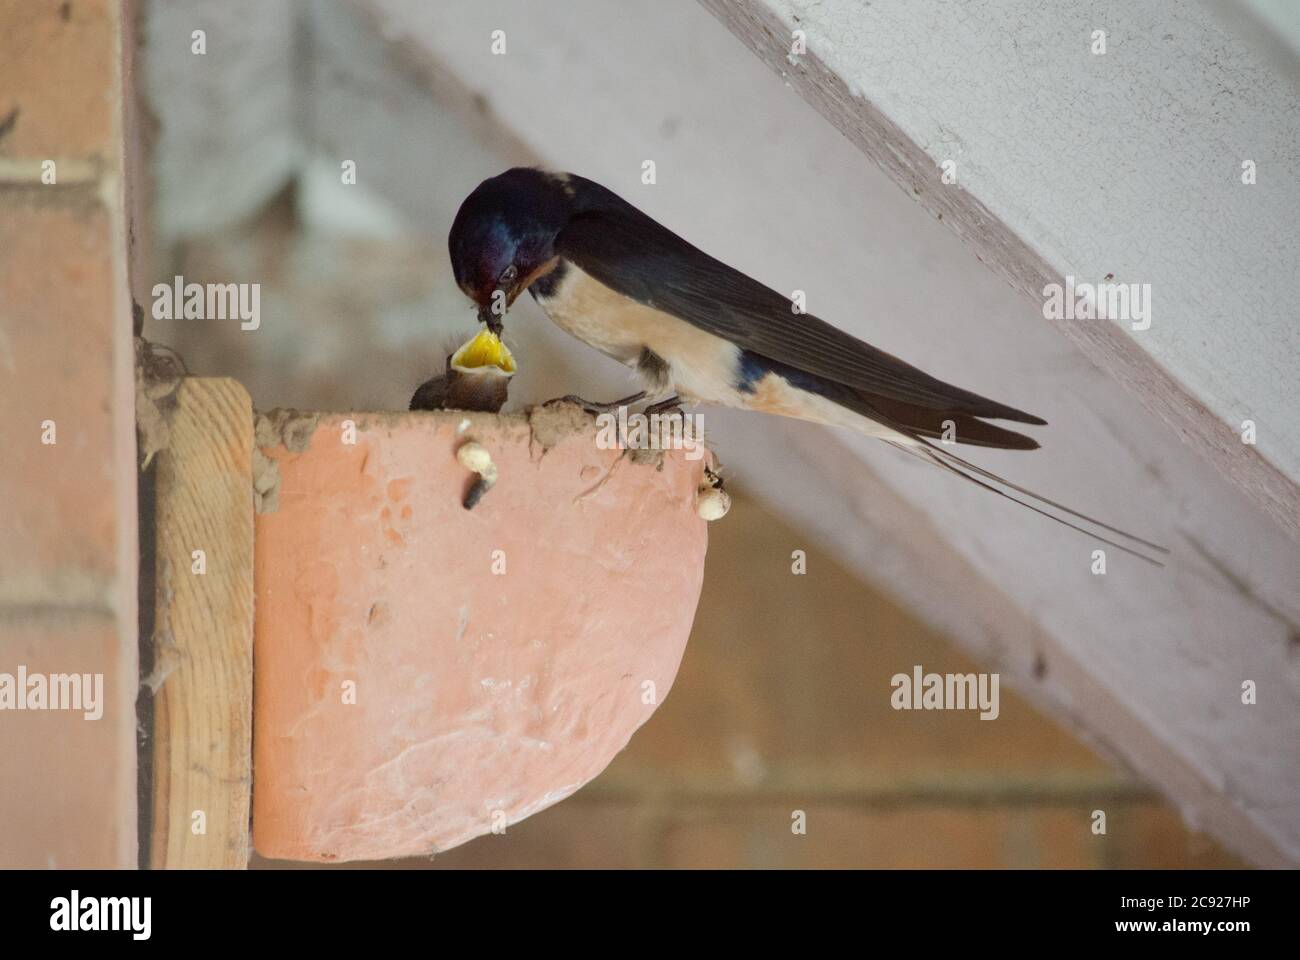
(477, 377)
(695, 330)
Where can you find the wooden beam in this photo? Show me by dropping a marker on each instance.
(203, 637)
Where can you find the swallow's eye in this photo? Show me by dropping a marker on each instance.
(508, 275)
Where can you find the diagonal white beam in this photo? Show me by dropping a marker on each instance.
(1104, 142)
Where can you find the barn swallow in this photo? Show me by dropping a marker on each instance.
(695, 330)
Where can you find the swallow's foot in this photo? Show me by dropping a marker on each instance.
(665, 407)
(593, 407)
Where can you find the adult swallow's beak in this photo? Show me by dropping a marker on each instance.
(486, 315)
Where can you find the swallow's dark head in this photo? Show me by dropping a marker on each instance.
(503, 237)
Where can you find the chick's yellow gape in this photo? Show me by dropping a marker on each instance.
(485, 350)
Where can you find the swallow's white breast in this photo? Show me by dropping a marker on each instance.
(701, 367)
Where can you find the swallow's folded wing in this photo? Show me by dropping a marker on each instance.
(640, 258)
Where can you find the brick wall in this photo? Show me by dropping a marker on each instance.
(68, 541)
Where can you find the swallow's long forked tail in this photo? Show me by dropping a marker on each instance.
(912, 428)
(945, 459)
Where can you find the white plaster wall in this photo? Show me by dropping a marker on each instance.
(227, 140)
(1126, 163)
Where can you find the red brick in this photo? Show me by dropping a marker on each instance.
(480, 697)
(67, 789)
(57, 68)
(57, 300)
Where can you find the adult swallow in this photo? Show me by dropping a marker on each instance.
(695, 330)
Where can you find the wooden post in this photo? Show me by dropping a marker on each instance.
(203, 637)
